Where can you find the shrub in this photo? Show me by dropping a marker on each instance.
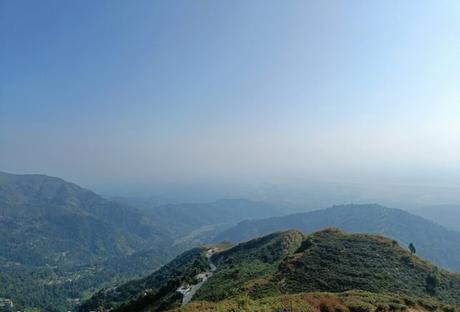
(433, 281)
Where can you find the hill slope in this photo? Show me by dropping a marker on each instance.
(200, 222)
(47, 221)
(433, 241)
(58, 240)
(292, 263)
(159, 287)
(350, 301)
(446, 215)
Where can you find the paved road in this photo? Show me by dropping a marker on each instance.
(204, 277)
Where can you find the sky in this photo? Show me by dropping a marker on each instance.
(121, 96)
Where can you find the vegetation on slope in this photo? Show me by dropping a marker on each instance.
(59, 241)
(247, 262)
(433, 241)
(156, 289)
(48, 221)
(332, 260)
(260, 272)
(352, 301)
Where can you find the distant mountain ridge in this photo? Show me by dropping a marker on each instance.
(433, 241)
(200, 222)
(59, 240)
(446, 215)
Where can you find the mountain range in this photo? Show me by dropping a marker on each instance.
(201, 222)
(60, 242)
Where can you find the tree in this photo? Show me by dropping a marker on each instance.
(412, 249)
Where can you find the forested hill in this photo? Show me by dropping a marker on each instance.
(48, 221)
(365, 273)
(433, 242)
(161, 284)
(59, 241)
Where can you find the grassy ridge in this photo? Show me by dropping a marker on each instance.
(434, 242)
(256, 259)
(329, 260)
(332, 260)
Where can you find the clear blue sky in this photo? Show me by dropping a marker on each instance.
(124, 93)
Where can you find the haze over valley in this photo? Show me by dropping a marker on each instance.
(227, 156)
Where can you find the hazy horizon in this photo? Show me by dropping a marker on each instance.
(230, 99)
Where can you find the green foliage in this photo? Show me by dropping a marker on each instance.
(329, 260)
(59, 242)
(337, 262)
(433, 281)
(159, 287)
(364, 271)
(42, 286)
(78, 242)
(257, 258)
(46, 221)
(433, 241)
(354, 301)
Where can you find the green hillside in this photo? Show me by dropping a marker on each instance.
(351, 301)
(59, 242)
(158, 288)
(247, 262)
(48, 221)
(332, 260)
(257, 272)
(434, 242)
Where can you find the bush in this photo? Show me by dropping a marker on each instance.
(433, 281)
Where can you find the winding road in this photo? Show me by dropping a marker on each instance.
(203, 277)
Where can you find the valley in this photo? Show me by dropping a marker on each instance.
(85, 251)
(78, 242)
